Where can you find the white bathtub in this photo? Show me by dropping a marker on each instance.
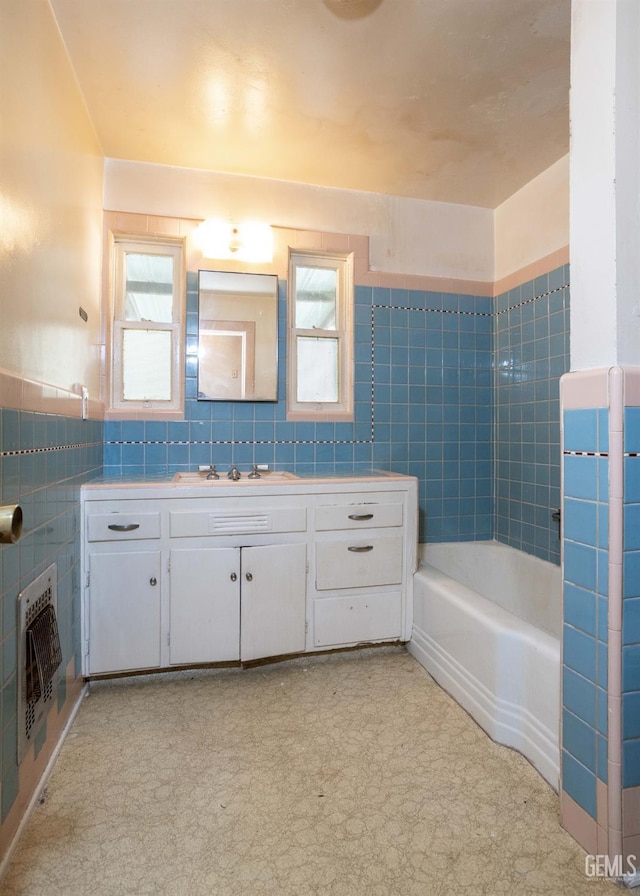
(487, 621)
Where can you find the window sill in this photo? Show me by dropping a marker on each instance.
(320, 416)
(144, 414)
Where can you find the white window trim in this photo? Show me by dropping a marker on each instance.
(119, 408)
(342, 410)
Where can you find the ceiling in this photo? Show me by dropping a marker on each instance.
(459, 101)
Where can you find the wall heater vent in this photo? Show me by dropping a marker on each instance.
(39, 655)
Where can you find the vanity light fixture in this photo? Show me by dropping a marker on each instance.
(251, 241)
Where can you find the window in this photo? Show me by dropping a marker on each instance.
(147, 332)
(320, 349)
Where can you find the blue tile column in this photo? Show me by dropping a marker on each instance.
(585, 590)
(631, 602)
(600, 787)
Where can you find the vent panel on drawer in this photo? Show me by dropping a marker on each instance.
(228, 522)
(241, 522)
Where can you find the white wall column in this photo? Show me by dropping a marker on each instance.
(604, 183)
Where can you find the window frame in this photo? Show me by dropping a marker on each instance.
(119, 407)
(342, 410)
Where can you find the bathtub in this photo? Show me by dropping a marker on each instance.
(487, 621)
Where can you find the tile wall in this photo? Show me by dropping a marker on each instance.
(423, 406)
(585, 627)
(427, 385)
(531, 338)
(44, 458)
(631, 633)
(600, 782)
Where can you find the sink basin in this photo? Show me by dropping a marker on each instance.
(268, 477)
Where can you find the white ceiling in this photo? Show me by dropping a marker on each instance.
(452, 100)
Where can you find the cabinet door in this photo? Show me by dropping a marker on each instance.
(273, 600)
(124, 611)
(204, 605)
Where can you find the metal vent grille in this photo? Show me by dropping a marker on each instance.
(39, 655)
(240, 522)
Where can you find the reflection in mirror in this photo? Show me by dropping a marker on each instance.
(237, 336)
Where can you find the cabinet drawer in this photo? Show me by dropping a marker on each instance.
(233, 522)
(358, 562)
(358, 516)
(352, 620)
(123, 526)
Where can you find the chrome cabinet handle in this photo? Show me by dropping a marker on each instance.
(233, 577)
(360, 516)
(360, 548)
(153, 581)
(249, 577)
(120, 527)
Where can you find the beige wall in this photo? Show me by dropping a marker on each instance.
(51, 174)
(534, 222)
(406, 236)
(51, 195)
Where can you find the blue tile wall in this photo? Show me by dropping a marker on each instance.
(631, 602)
(531, 338)
(429, 368)
(585, 624)
(423, 406)
(44, 459)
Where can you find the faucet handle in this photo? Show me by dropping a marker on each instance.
(254, 474)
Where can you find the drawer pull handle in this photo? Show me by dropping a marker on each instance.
(360, 516)
(360, 548)
(249, 577)
(119, 527)
(233, 577)
(153, 581)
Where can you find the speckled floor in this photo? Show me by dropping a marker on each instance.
(340, 775)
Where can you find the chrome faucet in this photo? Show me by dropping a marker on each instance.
(210, 470)
(233, 473)
(254, 474)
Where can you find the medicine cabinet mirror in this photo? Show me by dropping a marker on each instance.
(237, 336)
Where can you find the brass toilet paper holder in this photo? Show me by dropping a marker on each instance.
(10, 523)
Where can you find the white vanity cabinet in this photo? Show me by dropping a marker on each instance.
(362, 568)
(123, 568)
(273, 605)
(204, 605)
(224, 573)
(237, 576)
(236, 603)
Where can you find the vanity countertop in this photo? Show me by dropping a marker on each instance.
(196, 484)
